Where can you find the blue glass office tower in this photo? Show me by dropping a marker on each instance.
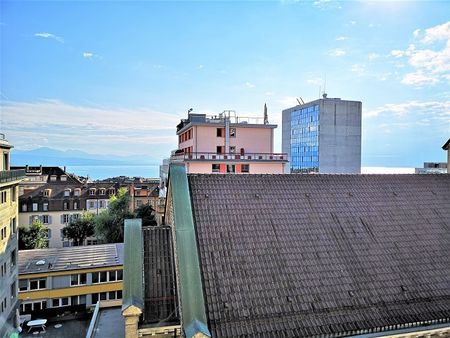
(323, 136)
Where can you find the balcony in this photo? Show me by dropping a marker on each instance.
(11, 175)
(203, 156)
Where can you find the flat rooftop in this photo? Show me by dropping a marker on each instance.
(70, 258)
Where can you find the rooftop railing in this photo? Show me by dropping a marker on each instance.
(11, 175)
(205, 156)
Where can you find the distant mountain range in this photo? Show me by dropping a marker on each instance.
(53, 157)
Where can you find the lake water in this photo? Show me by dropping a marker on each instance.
(96, 172)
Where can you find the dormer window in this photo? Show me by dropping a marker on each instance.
(77, 192)
(67, 192)
(92, 191)
(112, 191)
(63, 178)
(102, 191)
(47, 192)
(53, 178)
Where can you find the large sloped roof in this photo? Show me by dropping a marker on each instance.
(306, 255)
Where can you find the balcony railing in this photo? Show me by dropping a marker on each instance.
(202, 156)
(11, 175)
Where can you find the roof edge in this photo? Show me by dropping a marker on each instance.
(191, 289)
(446, 146)
(133, 294)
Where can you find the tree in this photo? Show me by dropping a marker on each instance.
(109, 223)
(146, 213)
(34, 237)
(79, 229)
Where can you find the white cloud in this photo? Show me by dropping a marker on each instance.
(92, 128)
(317, 81)
(288, 101)
(341, 38)
(337, 52)
(88, 55)
(200, 67)
(430, 61)
(327, 4)
(49, 36)
(373, 56)
(434, 110)
(359, 69)
(249, 85)
(419, 79)
(436, 33)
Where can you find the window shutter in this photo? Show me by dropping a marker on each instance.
(41, 219)
(31, 220)
(62, 219)
(49, 233)
(49, 219)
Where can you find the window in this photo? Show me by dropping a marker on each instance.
(24, 207)
(219, 132)
(91, 242)
(23, 284)
(3, 196)
(94, 298)
(66, 205)
(232, 149)
(102, 295)
(231, 168)
(75, 205)
(219, 149)
(13, 258)
(216, 168)
(232, 132)
(47, 192)
(78, 279)
(13, 225)
(63, 178)
(107, 276)
(45, 206)
(91, 205)
(13, 290)
(48, 235)
(245, 168)
(92, 191)
(111, 191)
(35, 207)
(65, 218)
(66, 192)
(58, 302)
(13, 194)
(38, 284)
(53, 178)
(77, 192)
(102, 204)
(138, 203)
(45, 219)
(102, 191)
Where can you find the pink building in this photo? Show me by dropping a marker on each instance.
(227, 144)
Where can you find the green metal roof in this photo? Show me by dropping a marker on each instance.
(191, 290)
(133, 265)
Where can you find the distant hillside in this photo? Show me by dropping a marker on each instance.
(48, 157)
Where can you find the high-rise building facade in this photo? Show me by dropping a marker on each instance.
(9, 181)
(323, 136)
(228, 143)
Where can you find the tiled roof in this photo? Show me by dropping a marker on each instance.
(309, 255)
(160, 299)
(70, 258)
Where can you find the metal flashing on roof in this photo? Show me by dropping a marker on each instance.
(133, 294)
(191, 290)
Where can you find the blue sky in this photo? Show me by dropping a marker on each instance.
(115, 77)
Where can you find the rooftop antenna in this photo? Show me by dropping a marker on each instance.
(300, 99)
(266, 117)
(190, 109)
(324, 95)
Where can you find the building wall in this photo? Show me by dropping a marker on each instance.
(252, 139)
(202, 167)
(58, 291)
(9, 218)
(340, 137)
(55, 223)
